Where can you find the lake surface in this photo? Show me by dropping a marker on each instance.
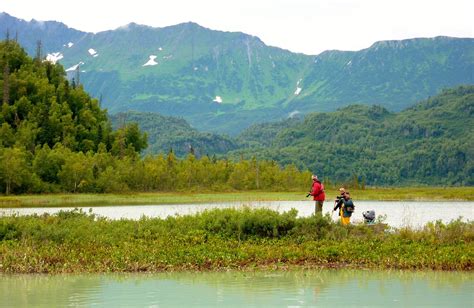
(398, 213)
(302, 288)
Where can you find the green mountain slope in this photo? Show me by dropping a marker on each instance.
(226, 81)
(394, 74)
(431, 142)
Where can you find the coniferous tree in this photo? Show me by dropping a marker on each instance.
(39, 51)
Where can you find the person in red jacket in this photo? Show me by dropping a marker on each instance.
(317, 191)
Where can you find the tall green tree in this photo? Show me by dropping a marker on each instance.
(13, 168)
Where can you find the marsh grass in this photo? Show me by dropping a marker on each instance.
(74, 241)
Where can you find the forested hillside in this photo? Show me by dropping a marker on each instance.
(430, 143)
(174, 134)
(55, 138)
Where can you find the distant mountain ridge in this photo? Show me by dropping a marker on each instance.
(226, 81)
(53, 35)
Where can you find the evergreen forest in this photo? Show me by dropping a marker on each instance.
(430, 143)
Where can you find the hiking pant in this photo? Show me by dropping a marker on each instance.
(318, 208)
(344, 220)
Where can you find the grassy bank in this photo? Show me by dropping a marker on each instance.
(412, 193)
(223, 239)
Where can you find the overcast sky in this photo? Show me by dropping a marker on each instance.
(308, 26)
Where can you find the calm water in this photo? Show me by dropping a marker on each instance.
(236, 289)
(399, 213)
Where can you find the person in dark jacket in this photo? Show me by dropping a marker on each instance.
(317, 191)
(346, 208)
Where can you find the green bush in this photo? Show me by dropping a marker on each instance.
(247, 223)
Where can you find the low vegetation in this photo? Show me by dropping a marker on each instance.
(74, 241)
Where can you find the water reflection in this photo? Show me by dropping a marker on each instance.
(237, 289)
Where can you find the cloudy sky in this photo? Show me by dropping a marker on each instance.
(308, 26)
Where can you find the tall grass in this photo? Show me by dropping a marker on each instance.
(74, 241)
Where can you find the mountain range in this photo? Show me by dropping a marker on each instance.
(226, 81)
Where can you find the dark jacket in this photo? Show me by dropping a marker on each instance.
(347, 207)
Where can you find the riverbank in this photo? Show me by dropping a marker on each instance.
(385, 194)
(74, 242)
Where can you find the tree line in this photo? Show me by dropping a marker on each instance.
(62, 170)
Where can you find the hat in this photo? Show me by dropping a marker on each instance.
(314, 177)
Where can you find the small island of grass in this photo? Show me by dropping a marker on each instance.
(222, 239)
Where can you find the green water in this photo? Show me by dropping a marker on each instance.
(237, 289)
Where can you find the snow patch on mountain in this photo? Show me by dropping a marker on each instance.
(54, 57)
(92, 51)
(218, 100)
(151, 61)
(298, 88)
(70, 44)
(74, 67)
(160, 49)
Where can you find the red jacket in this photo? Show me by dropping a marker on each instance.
(317, 191)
